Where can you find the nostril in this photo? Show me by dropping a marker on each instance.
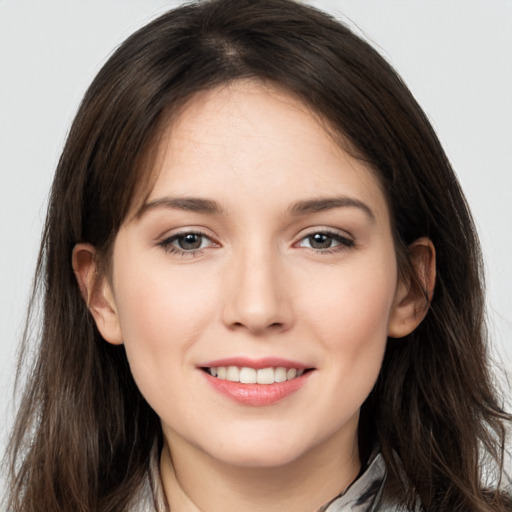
(274, 326)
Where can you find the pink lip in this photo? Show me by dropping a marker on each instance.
(256, 395)
(265, 362)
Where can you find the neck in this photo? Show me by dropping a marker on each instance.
(194, 482)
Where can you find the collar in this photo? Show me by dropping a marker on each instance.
(365, 492)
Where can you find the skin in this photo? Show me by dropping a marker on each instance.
(259, 286)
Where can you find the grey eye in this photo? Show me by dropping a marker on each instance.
(324, 240)
(190, 241)
(321, 241)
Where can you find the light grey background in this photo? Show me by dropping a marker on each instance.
(456, 56)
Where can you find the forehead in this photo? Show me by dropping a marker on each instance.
(254, 140)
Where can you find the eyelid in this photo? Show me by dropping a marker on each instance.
(166, 241)
(345, 239)
(336, 232)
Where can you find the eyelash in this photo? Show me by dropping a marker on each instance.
(171, 249)
(343, 243)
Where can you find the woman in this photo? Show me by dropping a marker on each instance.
(262, 285)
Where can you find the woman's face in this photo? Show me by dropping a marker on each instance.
(264, 253)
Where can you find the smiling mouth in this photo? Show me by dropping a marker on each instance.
(247, 375)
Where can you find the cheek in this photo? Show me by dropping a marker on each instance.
(161, 314)
(351, 325)
(351, 313)
(156, 300)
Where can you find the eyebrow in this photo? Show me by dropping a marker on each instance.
(189, 204)
(329, 203)
(210, 207)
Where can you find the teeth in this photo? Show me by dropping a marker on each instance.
(280, 374)
(291, 374)
(266, 376)
(233, 374)
(246, 375)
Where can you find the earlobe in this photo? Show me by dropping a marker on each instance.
(414, 294)
(97, 292)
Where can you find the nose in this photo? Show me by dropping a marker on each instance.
(258, 294)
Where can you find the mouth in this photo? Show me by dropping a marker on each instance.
(256, 382)
(247, 375)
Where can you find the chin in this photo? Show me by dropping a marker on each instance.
(269, 457)
(262, 450)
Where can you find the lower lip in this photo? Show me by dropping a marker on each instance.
(257, 395)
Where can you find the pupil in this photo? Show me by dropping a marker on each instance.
(189, 241)
(320, 241)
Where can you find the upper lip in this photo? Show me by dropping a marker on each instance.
(264, 362)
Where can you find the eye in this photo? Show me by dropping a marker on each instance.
(190, 241)
(186, 243)
(325, 241)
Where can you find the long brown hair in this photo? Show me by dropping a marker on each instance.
(84, 432)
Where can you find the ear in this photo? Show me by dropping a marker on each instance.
(414, 294)
(97, 293)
